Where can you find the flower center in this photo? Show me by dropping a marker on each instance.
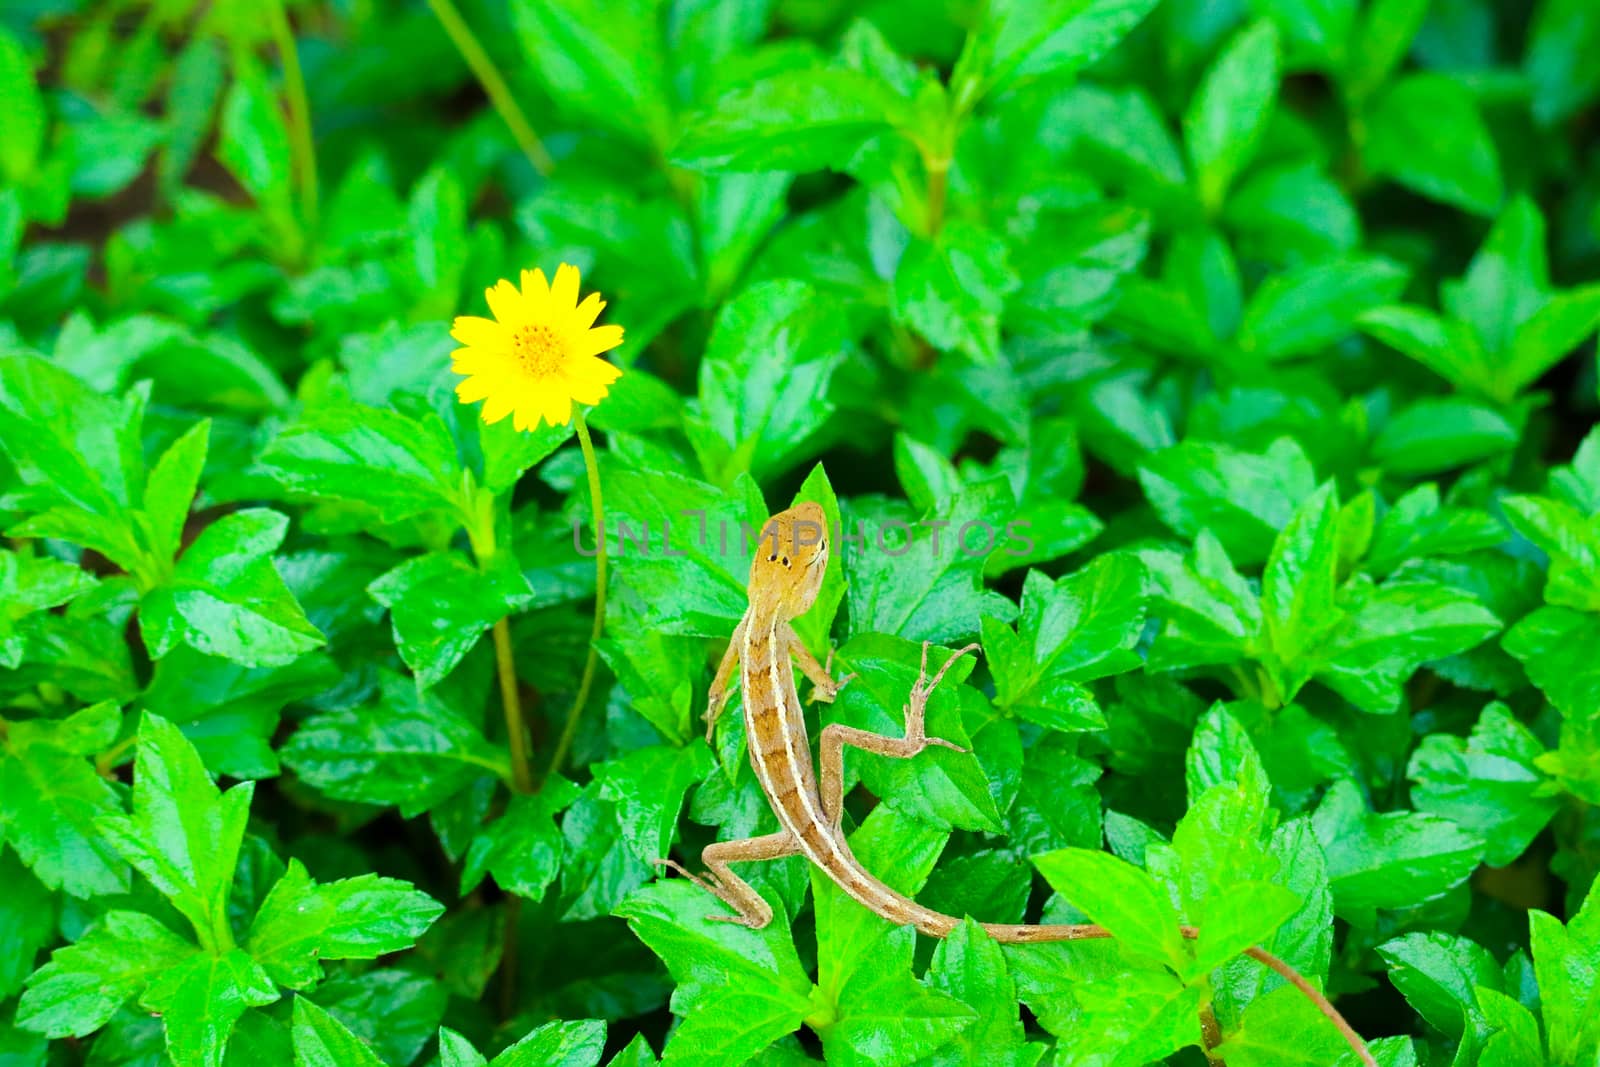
(538, 349)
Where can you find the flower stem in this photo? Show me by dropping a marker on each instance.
(294, 82)
(493, 83)
(511, 703)
(597, 511)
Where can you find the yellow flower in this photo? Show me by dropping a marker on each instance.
(538, 354)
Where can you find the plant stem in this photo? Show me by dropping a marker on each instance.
(938, 190)
(508, 957)
(1211, 1034)
(597, 512)
(493, 83)
(294, 84)
(511, 702)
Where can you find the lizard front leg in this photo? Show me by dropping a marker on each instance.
(836, 736)
(720, 881)
(821, 675)
(717, 699)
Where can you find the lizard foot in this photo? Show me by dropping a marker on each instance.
(916, 711)
(826, 692)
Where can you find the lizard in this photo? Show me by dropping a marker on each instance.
(786, 575)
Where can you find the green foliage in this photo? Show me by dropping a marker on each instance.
(1225, 370)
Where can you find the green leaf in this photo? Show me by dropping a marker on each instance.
(1017, 40)
(1306, 310)
(1564, 35)
(78, 456)
(1208, 613)
(922, 579)
(22, 113)
(799, 120)
(395, 464)
(320, 1040)
(1566, 960)
(1243, 499)
(394, 1011)
(362, 918)
(522, 848)
(557, 1044)
(457, 1051)
(1230, 110)
(51, 797)
(1437, 434)
(1120, 897)
(84, 983)
(1282, 1029)
(1489, 784)
(604, 60)
(1445, 346)
(1514, 1041)
(952, 290)
(1391, 630)
(867, 1005)
(1439, 974)
(28, 585)
(1389, 861)
(1425, 133)
(648, 787)
(761, 414)
(1553, 645)
(1416, 526)
(1072, 631)
(1298, 587)
(202, 998)
(738, 990)
(27, 922)
(171, 486)
(184, 834)
(226, 598)
(440, 605)
(410, 749)
(1549, 335)
(969, 966)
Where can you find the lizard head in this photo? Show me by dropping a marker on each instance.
(791, 558)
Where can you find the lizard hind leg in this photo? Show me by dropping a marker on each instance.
(719, 880)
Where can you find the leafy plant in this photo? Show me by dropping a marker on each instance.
(1227, 370)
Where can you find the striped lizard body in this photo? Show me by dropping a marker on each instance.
(785, 577)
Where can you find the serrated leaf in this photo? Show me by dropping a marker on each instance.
(226, 598)
(201, 999)
(1120, 897)
(411, 749)
(301, 922)
(184, 835)
(85, 983)
(320, 1040)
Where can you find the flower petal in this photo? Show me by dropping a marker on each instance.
(584, 314)
(557, 407)
(564, 290)
(497, 407)
(473, 330)
(592, 370)
(598, 340)
(507, 304)
(474, 389)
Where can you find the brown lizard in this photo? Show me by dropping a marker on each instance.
(785, 576)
